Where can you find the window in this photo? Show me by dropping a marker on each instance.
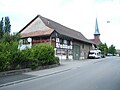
(61, 41)
(65, 41)
(57, 39)
(25, 41)
(68, 42)
(89, 47)
(60, 52)
(70, 52)
(83, 46)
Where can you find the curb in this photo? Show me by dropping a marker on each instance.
(16, 72)
(19, 81)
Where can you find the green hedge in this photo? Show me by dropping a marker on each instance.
(12, 58)
(44, 53)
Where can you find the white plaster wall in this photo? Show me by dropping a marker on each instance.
(64, 57)
(34, 26)
(22, 47)
(61, 56)
(70, 57)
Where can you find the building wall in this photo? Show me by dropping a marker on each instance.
(34, 26)
(76, 51)
(63, 48)
(23, 45)
(68, 49)
(83, 48)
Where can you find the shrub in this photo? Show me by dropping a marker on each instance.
(44, 53)
(56, 59)
(13, 58)
(34, 64)
(4, 62)
(5, 56)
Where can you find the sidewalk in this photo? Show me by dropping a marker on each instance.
(65, 66)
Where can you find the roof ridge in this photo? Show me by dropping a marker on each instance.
(64, 26)
(60, 29)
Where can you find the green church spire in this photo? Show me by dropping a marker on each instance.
(96, 28)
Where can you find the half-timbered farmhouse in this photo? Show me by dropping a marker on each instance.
(67, 43)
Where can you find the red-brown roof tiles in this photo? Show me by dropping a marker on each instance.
(36, 33)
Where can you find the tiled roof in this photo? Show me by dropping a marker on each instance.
(96, 42)
(58, 28)
(37, 33)
(64, 30)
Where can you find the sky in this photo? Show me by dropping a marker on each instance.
(79, 15)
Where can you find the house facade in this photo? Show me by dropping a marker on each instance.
(67, 43)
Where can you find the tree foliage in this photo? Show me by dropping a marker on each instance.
(103, 48)
(1, 28)
(7, 27)
(7, 49)
(112, 50)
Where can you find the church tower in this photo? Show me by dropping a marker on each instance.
(97, 34)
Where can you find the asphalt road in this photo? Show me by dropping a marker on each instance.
(8, 79)
(101, 75)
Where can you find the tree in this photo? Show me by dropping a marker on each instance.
(106, 49)
(112, 49)
(103, 48)
(7, 27)
(1, 28)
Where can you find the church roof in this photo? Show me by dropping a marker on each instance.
(96, 28)
(96, 34)
(97, 42)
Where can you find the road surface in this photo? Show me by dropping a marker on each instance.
(100, 75)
